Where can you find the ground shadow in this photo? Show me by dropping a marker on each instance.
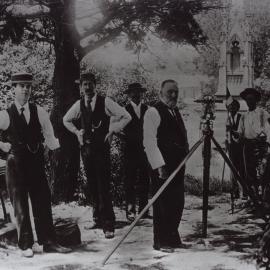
(156, 266)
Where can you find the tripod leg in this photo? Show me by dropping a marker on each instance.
(236, 174)
(154, 198)
(206, 175)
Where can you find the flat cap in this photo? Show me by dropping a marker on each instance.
(251, 91)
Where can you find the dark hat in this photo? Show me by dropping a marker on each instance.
(233, 102)
(22, 77)
(251, 91)
(87, 76)
(135, 87)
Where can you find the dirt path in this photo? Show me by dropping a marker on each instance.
(231, 243)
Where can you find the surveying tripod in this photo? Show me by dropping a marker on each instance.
(208, 117)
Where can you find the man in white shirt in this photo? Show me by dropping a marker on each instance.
(165, 142)
(254, 131)
(26, 127)
(136, 164)
(89, 120)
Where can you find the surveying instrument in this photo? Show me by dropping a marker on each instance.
(207, 119)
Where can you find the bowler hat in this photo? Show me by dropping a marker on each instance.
(87, 76)
(21, 77)
(135, 87)
(251, 91)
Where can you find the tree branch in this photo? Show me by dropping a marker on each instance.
(94, 45)
(27, 12)
(97, 27)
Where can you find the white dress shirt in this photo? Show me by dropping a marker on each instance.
(44, 120)
(252, 123)
(137, 108)
(119, 116)
(150, 126)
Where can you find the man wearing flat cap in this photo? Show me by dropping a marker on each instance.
(254, 131)
(89, 120)
(136, 164)
(166, 145)
(27, 128)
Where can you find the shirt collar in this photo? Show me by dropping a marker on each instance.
(135, 105)
(170, 109)
(93, 100)
(257, 109)
(18, 106)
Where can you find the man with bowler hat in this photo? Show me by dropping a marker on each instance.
(166, 145)
(254, 131)
(27, 128)
(136, 164)
(89, 120)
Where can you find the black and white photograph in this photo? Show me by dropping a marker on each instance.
(135, 134)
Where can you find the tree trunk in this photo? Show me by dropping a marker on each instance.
(65, 162)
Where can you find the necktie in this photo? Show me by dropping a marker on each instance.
(174, 115)
(177, 116)
(22, 116)
(88, 106)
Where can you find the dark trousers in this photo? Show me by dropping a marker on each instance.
(256, 173)
(236, 156)
(167, 210)
(137, 177)
(96, 162)
(25, 176)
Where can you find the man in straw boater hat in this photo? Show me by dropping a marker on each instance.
(166, 145)
(254, 131)
(136, 164)
(89, 119)
(26, 128)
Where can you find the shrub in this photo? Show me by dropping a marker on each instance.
(194, 186)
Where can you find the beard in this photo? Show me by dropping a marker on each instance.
(171, 103)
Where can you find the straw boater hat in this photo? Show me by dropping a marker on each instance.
(251, 91)
(135, 87)
(21, 77)
(87, 76)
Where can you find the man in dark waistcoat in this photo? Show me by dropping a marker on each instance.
(234, 146)
(26, 127)
(136, 164)
(89, 120)
(165, 142)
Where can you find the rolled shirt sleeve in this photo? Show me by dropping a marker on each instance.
(4, 120)
(47, 129)
(119, 116)
(4, 123)
(150, 126)
(72, 114)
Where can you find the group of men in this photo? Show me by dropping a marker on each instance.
(248, 144)
(155, 143)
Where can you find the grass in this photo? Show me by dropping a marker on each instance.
(194, 186)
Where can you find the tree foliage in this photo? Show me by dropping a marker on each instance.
(31, 57)
(108, 19)
(75, 28)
